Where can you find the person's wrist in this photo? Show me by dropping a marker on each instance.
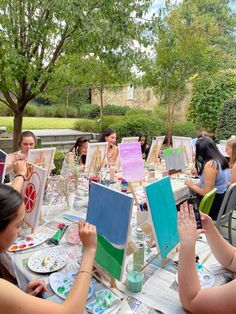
(90, 250)
(19, 175)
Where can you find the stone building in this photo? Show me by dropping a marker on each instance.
(134, 97)
(139, 97)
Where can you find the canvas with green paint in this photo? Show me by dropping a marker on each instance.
(110, 211)
(174, 158)
(163, 211)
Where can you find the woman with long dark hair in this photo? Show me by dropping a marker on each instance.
(212, 167)
(15, 301)
(79, 150)
(109, 136)
(142, 138)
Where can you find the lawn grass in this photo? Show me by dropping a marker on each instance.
(31, 123)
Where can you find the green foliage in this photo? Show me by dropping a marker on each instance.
(227, 120)
(58, 161)
(36, 34)
(31, 111)
(190, 38)
(137, 112)
(133, 125)
(5, 111)
(86, 125)
(107, 121)
(187, 129)
(115, 110)
(209, 94)
(89, 111)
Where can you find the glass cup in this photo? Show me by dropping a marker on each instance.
(134, 278)
(72, 235)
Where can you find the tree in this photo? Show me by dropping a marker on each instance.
(188, 41)
(209, 94)
(36, 33)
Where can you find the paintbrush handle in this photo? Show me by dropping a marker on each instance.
(152, 259)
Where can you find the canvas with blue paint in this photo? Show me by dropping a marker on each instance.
(110, 211)
(3, 158)
(163, 211)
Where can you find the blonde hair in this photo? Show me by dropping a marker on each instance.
(233, 157)
(231, 141)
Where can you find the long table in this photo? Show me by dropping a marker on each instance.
(16, 262)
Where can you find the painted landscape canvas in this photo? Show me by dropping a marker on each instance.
(110, 211)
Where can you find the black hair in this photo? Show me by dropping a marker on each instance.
(78, 144)
(27, 134)
(206, 150)
(10, 201)
(105, 133)
(144, 146)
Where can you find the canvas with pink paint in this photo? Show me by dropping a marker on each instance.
(131, 161)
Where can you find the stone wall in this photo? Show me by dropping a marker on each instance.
(140, 97)
(134, 97)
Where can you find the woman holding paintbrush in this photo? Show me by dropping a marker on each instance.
(219, 299)
(15, 301)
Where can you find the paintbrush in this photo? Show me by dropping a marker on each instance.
(152, 259)
(206, 257)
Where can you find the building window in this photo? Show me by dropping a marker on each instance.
(130, 92)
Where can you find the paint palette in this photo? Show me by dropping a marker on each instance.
(61, 284)
(207, 279)
(28, 241)
(48, 260)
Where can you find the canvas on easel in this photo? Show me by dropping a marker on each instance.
(110, 211)
(155, 150)
(32, 192)
(129, 139)
(174, 159)
(131, 161)
(163, 211)
(186, 143)
(3, 160)
(42, 157)
(132, 165)
(96, 158)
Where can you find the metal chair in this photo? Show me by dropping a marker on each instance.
(207, 200)
(226, 210)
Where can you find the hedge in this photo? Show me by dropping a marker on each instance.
(226, 125)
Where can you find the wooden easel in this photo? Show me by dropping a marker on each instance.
(97, 162)
(185, 152)
(153, 159)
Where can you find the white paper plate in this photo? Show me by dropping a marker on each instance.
(28, 241)
(48, 260)
(62, 283)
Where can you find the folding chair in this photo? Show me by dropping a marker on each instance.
(226, 210)
(207, 200)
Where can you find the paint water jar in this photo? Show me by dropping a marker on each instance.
(138, 255)
(134, 279)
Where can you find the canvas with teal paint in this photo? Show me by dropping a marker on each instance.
(163, 211)
(110, 211)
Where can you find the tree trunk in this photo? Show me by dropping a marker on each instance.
(18, 120)
(101, 107)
